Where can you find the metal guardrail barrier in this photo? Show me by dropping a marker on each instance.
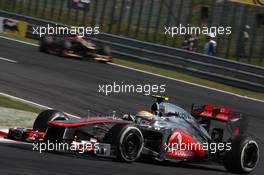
(145, 20)
(183, 53)
(212, 71)
(212, 68)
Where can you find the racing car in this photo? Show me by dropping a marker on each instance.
(74, 46)
(167, 133)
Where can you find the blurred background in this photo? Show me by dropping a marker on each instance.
(145, 20)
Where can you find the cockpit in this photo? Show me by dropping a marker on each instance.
(165, 109)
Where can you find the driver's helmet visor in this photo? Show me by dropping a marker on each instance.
(144, 117)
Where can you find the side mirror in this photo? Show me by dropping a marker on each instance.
(128, 117)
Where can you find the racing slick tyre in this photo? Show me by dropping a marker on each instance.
(127, 140)
(65, 46)
(243, 156)
(45, 44)
(41, 122)
(105, 53)
(105, 50)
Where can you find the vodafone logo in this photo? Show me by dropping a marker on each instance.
(184, 154)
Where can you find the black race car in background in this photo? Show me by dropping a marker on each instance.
(74, 46)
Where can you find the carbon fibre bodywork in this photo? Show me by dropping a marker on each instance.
(162, 138)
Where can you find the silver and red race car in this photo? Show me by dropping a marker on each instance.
(75, 46)
(167, 133)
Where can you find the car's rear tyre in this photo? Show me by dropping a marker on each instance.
(105, 50)
(41, 122)
(243, 156)
(127, 140)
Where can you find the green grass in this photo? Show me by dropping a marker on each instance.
(254, 61)
(180, 76)
(13, 36)
(10, 103)
(174, 74)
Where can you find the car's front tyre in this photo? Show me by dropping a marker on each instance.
(42, 120)
(127, 140)
(46, 43)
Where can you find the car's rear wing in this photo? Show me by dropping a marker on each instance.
(214, 112)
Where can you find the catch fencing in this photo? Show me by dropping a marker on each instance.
(145, 20)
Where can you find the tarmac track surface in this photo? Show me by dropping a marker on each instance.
(72, 86)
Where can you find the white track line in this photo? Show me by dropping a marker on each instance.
(25, 101)
(174, 79)
(24, 42)
(8, 60)
(186, 82)
(31, 103)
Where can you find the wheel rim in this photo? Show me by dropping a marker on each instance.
(250, 155)
(131, 145)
